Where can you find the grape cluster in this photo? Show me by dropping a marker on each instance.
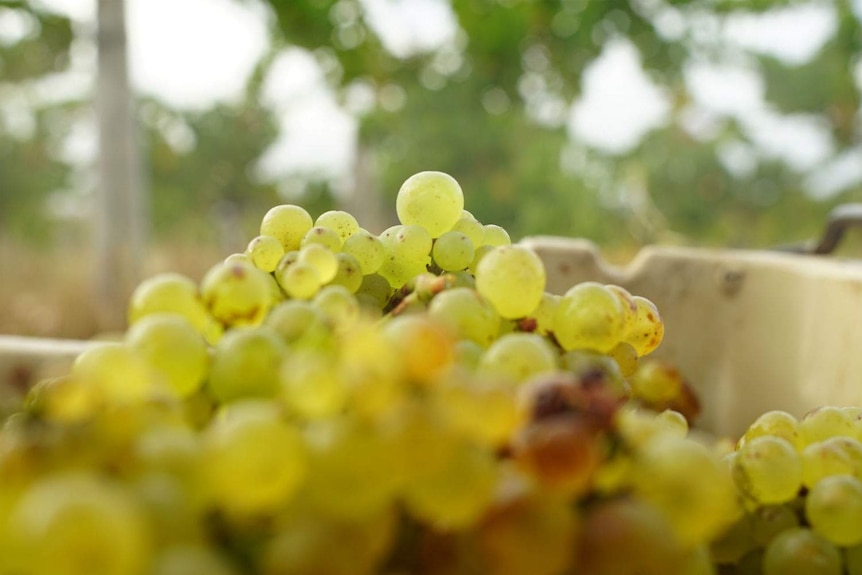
(333, 401)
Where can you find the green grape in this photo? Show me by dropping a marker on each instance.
(647, 331)
(589, 316)
(626, 357)
(241, 258)
(734, 543)
(833, 508)
(656, 383)
(480, 409)
(340, 221)
(768, 469)
(480, 254)
(800, 551)
(338, 305)
(496, 236)
(470, 227)
(264, 252)
(771, 520)
(288, 224)
(171, 448)
(433, 200)
(674, 422)
(399, 269)
(170, 293)
(115, 372)
(190, 559)
(287, 260)
(253, 459)
(300, 280)
(175, 350)
(544, 313)
(326, 237)
(453, 251)
(323, 260)
(367, 249)
(236, 294)
(512, 278)
(837, 455)
(246, 363)
(425, 347)
(467, 314)
(300, 324)
(826, 422)
(78, 524)
(468, 353)
(629, 304)
(376, 290)
(519, 356)
(349, 274)
(408, 242)
(777, 423)
(312, 386)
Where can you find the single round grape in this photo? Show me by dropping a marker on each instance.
(589, 316)
(471, 228)
(833, 508)
(839, 455)
(340, 221)
(367, 249)
(177, 352)
(800, 551)
(656, 382)
(467, 314)
(626, 357)
(237, 294)
(322, 259)
(172, 293)
(479, 408)
(826, 422)
(775, 422)
(647, 330)
(338, 305)
(768, 469)
(674, 422)
(453, 251)
(116, 372)
(424, 346)
(246, 363)
(512, 278)
(349, 274)
(496, 236)
(769, 521)
(433, 200)
(519, 356)
(408, 242)
(300, 280)
(264, 252)
(300, 323)
(376, 289)
(326, 237)
(288, 224)
(544, 313)
(238, 258)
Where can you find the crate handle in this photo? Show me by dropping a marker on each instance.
(838, 221)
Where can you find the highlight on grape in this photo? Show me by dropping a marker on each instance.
(334, 401)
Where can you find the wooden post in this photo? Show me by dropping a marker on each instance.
(119, 208)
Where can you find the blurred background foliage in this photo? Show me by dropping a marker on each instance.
(491, 106)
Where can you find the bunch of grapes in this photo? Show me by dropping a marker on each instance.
(333, 401)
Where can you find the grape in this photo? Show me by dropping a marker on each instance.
(288, 224)
(349, 273)
(777, 423)
(254, 459)
(326, 237)
(171, 293)
(647, 330)
(323, 260)
(236, 294)
(544, 313)
(824, 423)
(480, 253)
(833, 508)
(627, 359)
(377, 290)
(512, 278)
(300, 280)
(338, 305)
(769, 521)
(264, 252)
(424, 347)
(367, 249)
(467, 314)
(411, 243)
(479, 408)
(800, 551)
(339, 221)
(453, 251)
(589, 316)
(518, 356)
(312, 385)
(98, 366)
(240, 258)
(433, 200)
(768, 469)
(656, 383)
(173, 348)
(496, 236)
(299, 323)
(246, 363)
(674, 422)
(834, 456)
(471, 228)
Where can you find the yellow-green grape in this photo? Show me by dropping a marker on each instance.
(589, 316)
(168, 447)
(172, 293)
(689, 486)
(241, 258)
(265, 252)
(352, 470)
(300, 280)
(630, 306)
(63, 400)
(300, 324)
(656, 382)
(254, 460)
(323, 260)
(837, 455)
(458, 493)
(312, 386)
(367, 249)
(349, 274)
(433, 200)
(376, 290)
(338, 305)
(768, 469)
(732, 545)
(176, 351)
(518, 356)
(325, 237)
(833, 507)
(470, 227)
(78, 524)
(769, 521)
(246, 363)
(480, 254)
(288, 224)
(776, 422)
(647, 331)
(826, 422)
(190, 559)
(287, 260)
(237, 294)
(512, 278)
(480, 408)
(800, 551)
(468, 353)
(116, 372)
(425, 347)
(453, 251)
(626, 357)
(496, 236)
(544, 313)
(410, 242)
(674, 422)
(532, 536)
(467, 314)
(340, 221)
